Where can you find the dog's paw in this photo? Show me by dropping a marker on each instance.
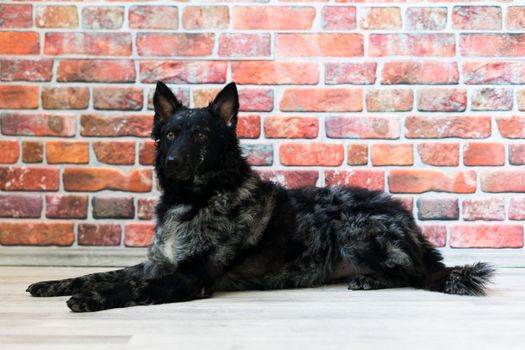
(363, 282)
(86, 302)
(44, 289)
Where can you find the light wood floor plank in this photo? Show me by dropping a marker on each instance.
(318, 318)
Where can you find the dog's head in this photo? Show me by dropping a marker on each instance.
(191, 141)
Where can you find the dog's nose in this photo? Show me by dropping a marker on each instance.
(174, 161)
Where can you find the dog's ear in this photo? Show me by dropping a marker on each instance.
(226, 105)
(164, 102)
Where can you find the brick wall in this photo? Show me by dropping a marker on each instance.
(423, 99)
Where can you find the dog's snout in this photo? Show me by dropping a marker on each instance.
(175, 161)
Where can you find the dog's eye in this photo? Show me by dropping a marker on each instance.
(171, 136)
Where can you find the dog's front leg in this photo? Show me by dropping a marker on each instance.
(84, 283)
(172, 287)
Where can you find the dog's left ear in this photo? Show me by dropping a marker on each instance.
(226, 105)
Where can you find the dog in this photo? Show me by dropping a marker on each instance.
(221, 228)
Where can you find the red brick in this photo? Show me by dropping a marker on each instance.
(339, 17)
(273, 17)
(36, 233)
(38, 124)
(291, 127)
(9, 150)
(426, 18)
(520, 99)
(116, 125)
(498, 72)
(442, 100)
(257, 154)
(490, 208)
(362, 127)
(146, 208)
(139, 234)
(113, 207)
(256, 100)
(19, 43)
(492, 45)
(115, 152)
(357, 154)
(249, 99)
(244, 45)
(486, 236)
(88, 43)
(511, 127)
(193, 72)
(56, 17)
(147, 153)
(29, 178)
(437, 209)
(67, 152)
(442, 127)
(205, 17)
(503, 181)
(20, 206)
(319, 45)
(419, 181)
(102, 17)
(274, 73)
(97, 179)
(291, 179)
(16, 16)
(517, 154)
(412, 45)
(484, 154)
(175, 44)
(311, 154)
(99, 71)
(350, 73)
(492, 99)
(414, 72)
(118, 98)
(203, 97)
(248, 126)
(26, 69)
(435, 234)
(65, 97)
(517, 209)
(515, 17)
(392, 154)
(153, 17)
(391, 100)
(388, 18)
(476, 17)
(32, 151)
(406, 201)
(99, 234)
(66, 206)
(18, 97)
(322, 100)
(439, 154)
(371, 179)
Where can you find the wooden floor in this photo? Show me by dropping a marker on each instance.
(321, 318)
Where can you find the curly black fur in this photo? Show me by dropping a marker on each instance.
(220, 227)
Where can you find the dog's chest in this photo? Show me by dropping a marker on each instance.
(179, 238)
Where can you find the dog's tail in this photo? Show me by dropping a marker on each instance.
(462, 280)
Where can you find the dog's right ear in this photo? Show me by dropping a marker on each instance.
(164, 102)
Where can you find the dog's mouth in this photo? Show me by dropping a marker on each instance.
(178, 175)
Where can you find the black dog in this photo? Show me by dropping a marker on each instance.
(220, 227)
